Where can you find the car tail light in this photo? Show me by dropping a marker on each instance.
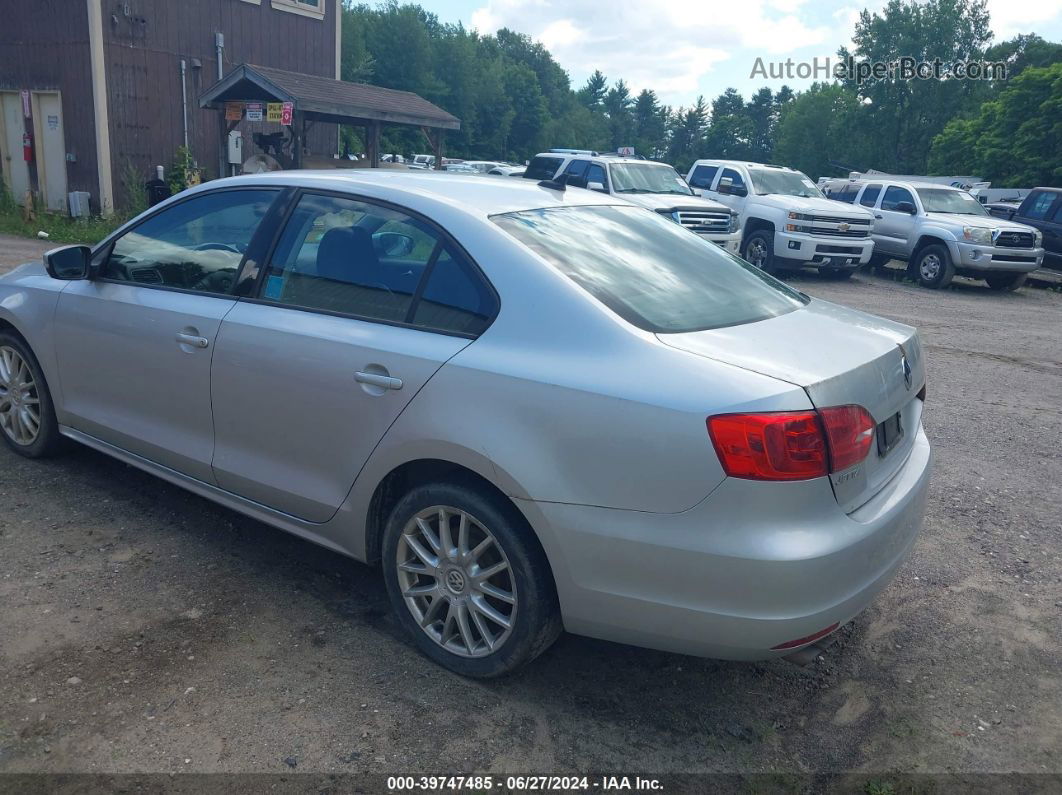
(784, 445)
(792, 445)
(849, 433)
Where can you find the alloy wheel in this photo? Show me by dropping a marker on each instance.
(756, 253)
(20, 403)
(929, 267)
(456, 581)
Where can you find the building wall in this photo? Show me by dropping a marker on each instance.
(143, 50)
(44, 45)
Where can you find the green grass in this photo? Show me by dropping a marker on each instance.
(60, 228)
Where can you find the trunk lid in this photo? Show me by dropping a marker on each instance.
(839, 356)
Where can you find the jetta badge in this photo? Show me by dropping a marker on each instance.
(906, 367)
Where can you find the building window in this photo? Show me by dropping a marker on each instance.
(308, 8)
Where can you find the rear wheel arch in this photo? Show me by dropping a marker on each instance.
(407, 476)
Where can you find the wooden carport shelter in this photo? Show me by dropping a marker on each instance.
(322, 99)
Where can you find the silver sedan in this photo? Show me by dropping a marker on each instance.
(537, 409)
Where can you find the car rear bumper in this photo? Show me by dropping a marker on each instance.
(996, 258)
(754, 566)
(840, 252)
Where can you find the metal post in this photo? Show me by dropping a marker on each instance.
(184, 101)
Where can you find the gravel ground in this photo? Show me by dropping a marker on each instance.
(146, 630)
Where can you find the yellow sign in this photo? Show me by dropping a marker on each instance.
(233, 111)
(274, 111)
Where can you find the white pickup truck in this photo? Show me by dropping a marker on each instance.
(786, 221)
(655, 186)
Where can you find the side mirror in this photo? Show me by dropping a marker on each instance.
(393, 244)
(905, 207)
(726, 185)
(68, 262)
(598, 186)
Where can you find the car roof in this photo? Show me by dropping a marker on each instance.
(472, 193)
(603, 159)
(709, 161)
(901, 183)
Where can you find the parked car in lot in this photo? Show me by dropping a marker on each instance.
(507, 171)
(655, 186)
(533, 408)
(1042, 210)
(941, 231)
(786, 221)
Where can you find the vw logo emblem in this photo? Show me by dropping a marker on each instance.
(455, 581)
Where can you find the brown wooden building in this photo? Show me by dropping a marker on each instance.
(109, 88)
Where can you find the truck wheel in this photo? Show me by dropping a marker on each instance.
(837, 274)
(933, 267)
(758, 250)
(1005, 282)
(878, 261)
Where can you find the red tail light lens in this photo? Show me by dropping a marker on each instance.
(850, 433)
(792, 445)
(772, 446)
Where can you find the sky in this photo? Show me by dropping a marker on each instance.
(682, 48)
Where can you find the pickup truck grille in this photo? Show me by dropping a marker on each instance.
(1015, 239)
(829, 226)
(704, 221)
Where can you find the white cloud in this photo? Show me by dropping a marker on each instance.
(668, 47)
(1011, 17)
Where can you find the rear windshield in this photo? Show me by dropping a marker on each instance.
(543, 167)
(649, 270)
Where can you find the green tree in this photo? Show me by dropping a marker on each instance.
(1015, 139)
(592, 95)
(650, 125)
(617, 106)
(815, 130)
(906, 114)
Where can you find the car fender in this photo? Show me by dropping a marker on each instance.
(28, 298)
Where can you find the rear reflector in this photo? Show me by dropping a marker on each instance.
(792, 445)
(792, 644)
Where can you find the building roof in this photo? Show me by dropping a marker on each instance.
(325, 99)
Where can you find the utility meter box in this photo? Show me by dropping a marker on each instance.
(235, 148)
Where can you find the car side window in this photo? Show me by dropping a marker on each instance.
(846, 194)
(576, 168)
(702, 177)
(595, 173)
(455, 296)
(350, 257)
(543, 167)
(894, 195)
(735, 176)
(1040, 206)
(197, 244)
(870, 195)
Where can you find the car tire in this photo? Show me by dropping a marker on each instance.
(837, 274)
(933, 267)
(758, 250)
(879, 261)
(452, 616)
(1006, 282)
(27, 415)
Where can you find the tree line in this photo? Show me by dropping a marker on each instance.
(514, 99)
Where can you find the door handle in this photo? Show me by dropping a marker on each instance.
(193, 340)
(375, 379)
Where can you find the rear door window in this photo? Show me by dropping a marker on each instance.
(576, 168)
(846, 194)
(702, 177)
(870, 195)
